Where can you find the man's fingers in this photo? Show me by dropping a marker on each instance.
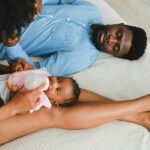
(25, 66)
(20, 60)
(19, 67)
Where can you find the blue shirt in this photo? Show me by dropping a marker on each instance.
(60, 35)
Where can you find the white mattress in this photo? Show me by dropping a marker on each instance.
(111, 77)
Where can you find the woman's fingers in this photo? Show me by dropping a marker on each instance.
(38, 102)
(18, 67)
(23, 89)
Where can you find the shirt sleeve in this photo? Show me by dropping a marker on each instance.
(61, 2)
(15, 52)
(65, 63)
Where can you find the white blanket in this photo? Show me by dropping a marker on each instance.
(111, 77)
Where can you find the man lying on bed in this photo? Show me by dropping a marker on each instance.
(69, 35)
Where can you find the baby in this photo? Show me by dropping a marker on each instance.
(62, 91)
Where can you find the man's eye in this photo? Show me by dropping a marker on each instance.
(58, 89)
(119, 34)
(116, 49)
(59, 79)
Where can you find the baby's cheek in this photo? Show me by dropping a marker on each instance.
(51, 95)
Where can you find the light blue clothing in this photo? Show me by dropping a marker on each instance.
(61, 35)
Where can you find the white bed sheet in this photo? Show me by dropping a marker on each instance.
(111, 77)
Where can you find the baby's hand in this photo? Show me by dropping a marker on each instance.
(11, 87)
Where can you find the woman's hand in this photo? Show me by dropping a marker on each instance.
(25, 100)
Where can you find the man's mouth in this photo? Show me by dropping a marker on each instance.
(102, 38)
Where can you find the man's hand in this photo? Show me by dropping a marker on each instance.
(21, 65)
(25, 100)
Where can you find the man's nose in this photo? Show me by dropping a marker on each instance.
(112, 40)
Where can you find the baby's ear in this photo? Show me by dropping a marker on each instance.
(55, 103)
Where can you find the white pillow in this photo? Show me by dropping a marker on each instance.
(113, 77)
(117, 78)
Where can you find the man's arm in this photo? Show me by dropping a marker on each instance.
(76, 117)
(89, 96)
(66, 62)
(4, 69)
(14, 49)
(18, 65)
(15, 52)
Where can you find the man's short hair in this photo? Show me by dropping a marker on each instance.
(139, 43)
(15, 14)
(76, 94)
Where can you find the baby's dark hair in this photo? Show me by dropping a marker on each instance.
(139, 43)
(15, 14)
(76, 94)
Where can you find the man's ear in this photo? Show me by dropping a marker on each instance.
(121, 23)
(94, 26)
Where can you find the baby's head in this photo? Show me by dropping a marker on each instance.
(63, 91)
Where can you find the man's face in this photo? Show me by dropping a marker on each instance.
(60, 89)
(113, 39)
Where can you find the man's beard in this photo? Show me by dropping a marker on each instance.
(95, 35)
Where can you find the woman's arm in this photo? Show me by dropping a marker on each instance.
(89, 96)
(19, 125)
(77, 117)
(22, 102)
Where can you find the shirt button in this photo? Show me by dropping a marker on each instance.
(51, 16)
(68, 19)
(84, 25)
